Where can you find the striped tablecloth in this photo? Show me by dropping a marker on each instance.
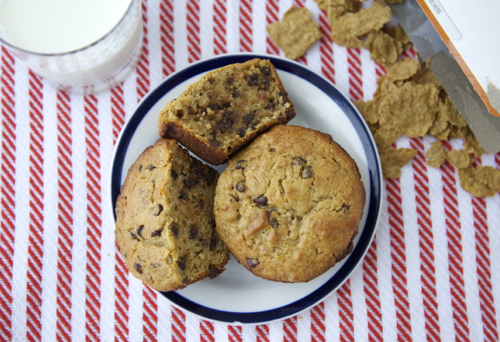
(430, 273)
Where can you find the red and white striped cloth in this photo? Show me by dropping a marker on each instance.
(430, 273)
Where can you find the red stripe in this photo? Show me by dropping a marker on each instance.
(193, 30)
(246, 33)
(326, 48)
(7, 184)
(398, 259)
(290, 329)
(235, 333)
(426, 242)
(142, 79)
(65, 216)
(346, 316)
(372, 298)
(167, 36)
(121, 273)
(220, 27)
(150, 318)
(354, 69)
(262, 333)
(207, 332)
(36, 227)
(178, 325)
(455, 260)
(94, 221)
(483, 262)
(318, 328)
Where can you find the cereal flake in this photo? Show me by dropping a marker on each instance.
(436, 155)
(296, 33)
(393, 159)
(458, 158)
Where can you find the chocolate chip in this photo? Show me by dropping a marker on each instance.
(150, 167)
(211, 81)
(191, 181)
(242, 132)
(181, 265)
(252, 262)
(156, 233)
(273, 222)
(213, 272)
(266, 70)
(247, 119)
(185, 280)
(253, 80)
(262, 200)
(255, 124)
(299, 161)
(174, 230)
(270, 106)
(201, 203)
(138, 268)
(235, 94)
(240, 163)
(214, 143)
(157, 209)
(290, 113)
(240, 186)
(140, 167)
(214, 106)
(173, 174)
(155, 265)
(212, 244)
(139, 230)
(183, 195)
(134, 236)
(190, 111)
(307, 172)
(225, 124)
(193, 232)
(283, 93)
(229, 80)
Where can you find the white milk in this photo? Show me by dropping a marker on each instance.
(48, 35)
(57, 26)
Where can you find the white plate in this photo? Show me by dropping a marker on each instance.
(237, 296)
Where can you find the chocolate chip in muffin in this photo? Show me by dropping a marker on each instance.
(156, 233)
(134, 236)
(193, 232)
(307, 172)
(252, 262)
(191, 181)
(181, 265)
(213, 272)
(173, 174)
(242, 132)
(151, 167)
(183, 195)
(299, 161)
(240, 164)
(138, 268)
(214, 143)
(139, 230)
(174, 230)
(157, 209)
(273, 222)
(261, 200)
(240, 186)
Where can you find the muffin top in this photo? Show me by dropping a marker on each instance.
(288, 206)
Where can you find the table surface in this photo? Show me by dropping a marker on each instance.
(430, 273)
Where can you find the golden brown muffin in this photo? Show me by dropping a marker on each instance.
(165, 225)
(226, 109)
(289, 204)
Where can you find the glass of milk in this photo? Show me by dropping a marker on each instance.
(81, 46)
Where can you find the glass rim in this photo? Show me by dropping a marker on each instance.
(71, 52)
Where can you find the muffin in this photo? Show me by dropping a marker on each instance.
(226, 109)
(288, 205)
(165, 227)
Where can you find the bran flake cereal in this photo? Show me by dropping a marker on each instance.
(480, 181)
(347, 29)
(337, 8)
(295, 33)
(436, 155)
(393, 159)
(399, 34)
(458, 158)
(385, 137)
(383, 48)
(411, 110)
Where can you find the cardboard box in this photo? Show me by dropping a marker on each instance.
(470, 31)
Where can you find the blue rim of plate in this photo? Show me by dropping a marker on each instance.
(374, 171)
